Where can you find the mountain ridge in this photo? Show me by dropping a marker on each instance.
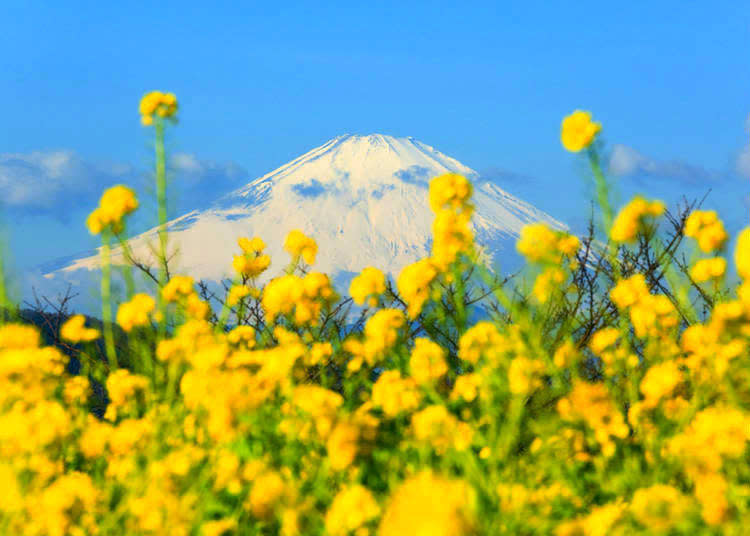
(364, 198)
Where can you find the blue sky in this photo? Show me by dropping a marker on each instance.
(485, 82)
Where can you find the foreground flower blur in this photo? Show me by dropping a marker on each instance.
(413, 420)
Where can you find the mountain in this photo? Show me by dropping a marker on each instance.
(364, 199)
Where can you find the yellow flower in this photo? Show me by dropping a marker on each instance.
(381, 333)
(481, 340)
(659, 507)
(706, 269)
(604, 339)
(76, 389)
(251, 245)
(630, 221)
(157, 103)
(251, 266)
(220, 527)
(540, 243)
(428, 504)
(395, 394)
(706, 227)
(629, 291)
(180, 286)
(660, 380)
(352, 508)
(466, 387)
(711, 492)
(267, 491)
(342, 445)
(578, 131)
(523, 375)
(370, 283)
(115, 203)
(451, 191)
(300, 245)
(242, 335)
(414, 285)
(19, 336)
(547, 282)
(427, 362)
(451, 235)
(436, 426)
(236, 293)
(135, 312)
(73, 330)
(742, 254)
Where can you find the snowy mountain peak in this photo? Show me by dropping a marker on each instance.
(369, 162)
(364, 199)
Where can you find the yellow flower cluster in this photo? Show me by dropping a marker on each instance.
(578, 131)
(237, 293)
(251, 263)
(380, 334)
(539, 243)
(482, 340)
(394, 394)
(451, 231)
(367, 286)
(351, 509)
(659, 507)
(157, 103)
(650, 314)
(714, 436)
(706, 269)
(299, 245)
(73, 330)
(631, 219)
(546, 283)
(451, 192)
(430, 504)
(466, 387)
(134, 313)
(287, 428)
(742, 254)
(436, 426)
(180, 289)
(427, 362)
(305, 296)
(115, 203)
(523, 375)
(413, 284)
(591, 403)
(706, 227)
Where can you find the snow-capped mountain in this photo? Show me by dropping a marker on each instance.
(364, 199)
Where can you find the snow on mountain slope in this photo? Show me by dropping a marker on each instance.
(364, 199)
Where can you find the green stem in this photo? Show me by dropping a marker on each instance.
(161, 201)
(602, 189)
(127, 268)
(109, 341)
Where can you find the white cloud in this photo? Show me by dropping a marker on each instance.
(41, 180)
(625, 161)
(60, 181)
(186, 162)
(743, 158)
(743, 162)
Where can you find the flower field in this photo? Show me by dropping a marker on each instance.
(608, 398)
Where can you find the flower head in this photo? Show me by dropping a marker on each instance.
(300, 245)
(578, 131)
(115, 203)
(74, 331)
(157, 103)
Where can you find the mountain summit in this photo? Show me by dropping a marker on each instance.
(364, 199)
